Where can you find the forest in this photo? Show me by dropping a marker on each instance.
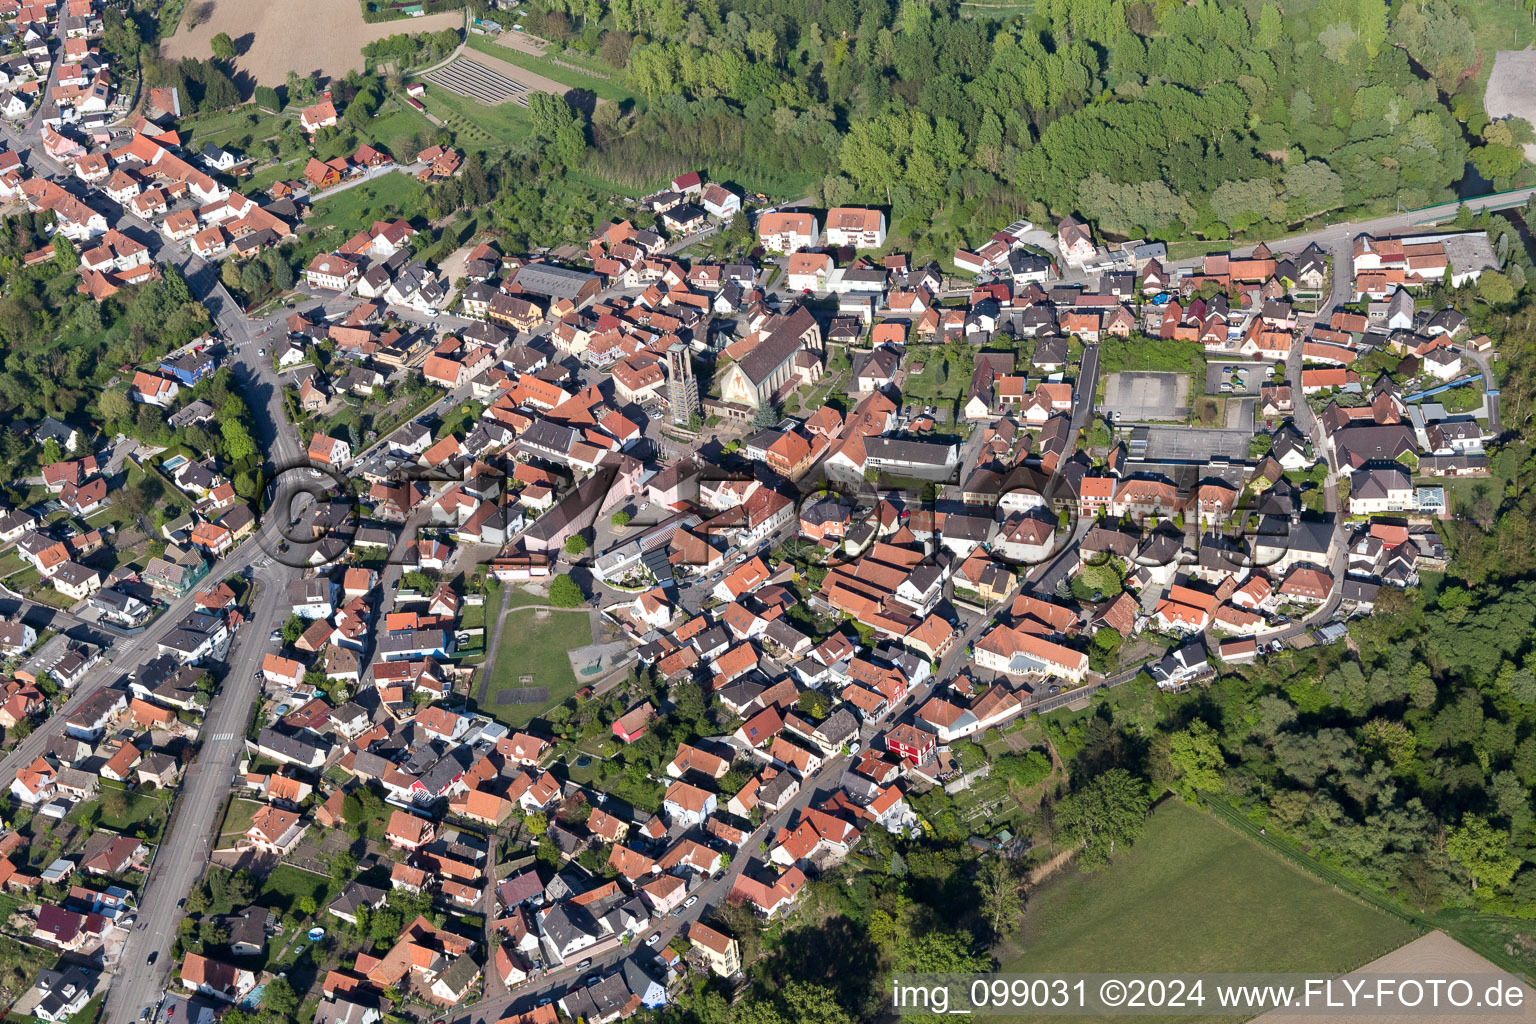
(1148, 118)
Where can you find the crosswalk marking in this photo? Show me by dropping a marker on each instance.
(223, 737)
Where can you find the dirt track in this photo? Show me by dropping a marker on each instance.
(316, 38)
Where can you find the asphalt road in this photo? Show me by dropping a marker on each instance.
(183, 855)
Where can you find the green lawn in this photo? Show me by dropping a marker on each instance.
(1497, 25)
(91, 1012)
(237, 818)
(19, 966)
(286, 170)
(534, 643)
(286, 885)
(478, 126)
(605, 88)
(225, 127)
(1196, 896)
(52, 598)
(144, 810)
(933, 386)
(356, 208)
(520, 598)
(396, 125)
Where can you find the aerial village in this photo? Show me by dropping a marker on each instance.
(828, 513)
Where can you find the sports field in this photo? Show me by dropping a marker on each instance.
(532, 656)
(1195, 896)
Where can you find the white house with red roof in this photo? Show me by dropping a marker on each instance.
(321, 115)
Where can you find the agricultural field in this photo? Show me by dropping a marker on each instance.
(330, 45)
(1196, 896)
(546, 70)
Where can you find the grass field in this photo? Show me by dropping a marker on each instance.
(476, 125)
(533, 644)
(1196, 896)
(286, 885)
(19, 966)
(356, 208)
(935, 385)
(227, 126)
(1497, 25)
(395, 125)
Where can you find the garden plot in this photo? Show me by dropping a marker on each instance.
(476, 81)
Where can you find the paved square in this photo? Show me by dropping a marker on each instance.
(1141, 395)
(527, 695)
(1187, 444)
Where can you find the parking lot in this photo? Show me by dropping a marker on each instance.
(1187, 444)
(1253, 374)
(1137, 396)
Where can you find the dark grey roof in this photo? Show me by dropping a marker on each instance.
(913, 452)
(1366, 442)
(355, 895)
(552, 281)
(300, 747)
(1194, 657)
(567, 922)
(780, 346)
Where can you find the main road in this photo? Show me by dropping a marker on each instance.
(184, 851)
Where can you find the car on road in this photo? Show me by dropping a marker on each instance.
(546, 1001)
(655, 937)
(277, 635)
(593, 979)
(690, 901)
(153, 956)
(584, 965)
(1054, 689)
(261, 351)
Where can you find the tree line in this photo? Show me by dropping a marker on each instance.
(1148, 118)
